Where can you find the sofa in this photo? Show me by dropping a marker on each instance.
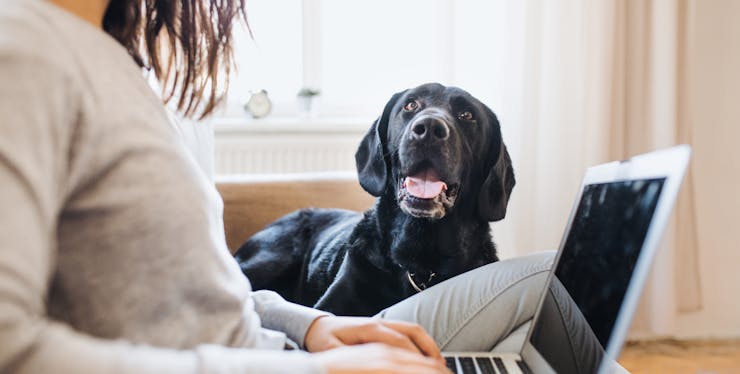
(253, 201)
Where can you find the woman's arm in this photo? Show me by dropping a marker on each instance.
(280, 315)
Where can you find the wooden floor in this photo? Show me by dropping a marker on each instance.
(671, 356)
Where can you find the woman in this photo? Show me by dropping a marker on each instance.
(113, 252)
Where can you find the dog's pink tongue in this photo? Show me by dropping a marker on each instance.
(425, 185)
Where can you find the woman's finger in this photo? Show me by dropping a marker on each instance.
(331, 343)
(418, 336)
(408, 360)
(375, 332)
(377, 358)
(380, 333)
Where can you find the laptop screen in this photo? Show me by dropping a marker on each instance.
(593, 273)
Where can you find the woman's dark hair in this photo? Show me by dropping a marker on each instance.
(186, 43)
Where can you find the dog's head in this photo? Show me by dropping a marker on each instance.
(434, 148)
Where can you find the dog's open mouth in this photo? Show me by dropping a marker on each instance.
(425, 195)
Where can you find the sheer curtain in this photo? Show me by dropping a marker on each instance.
(589, 82)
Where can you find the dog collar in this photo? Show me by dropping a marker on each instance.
(420, 286)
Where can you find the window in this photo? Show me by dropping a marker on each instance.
(358, 53)
(272, 61)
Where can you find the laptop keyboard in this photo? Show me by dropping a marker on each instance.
(481, 365)
(500, 365)
(523, 367)
(467, 364)
(451, 364)
(485, 365)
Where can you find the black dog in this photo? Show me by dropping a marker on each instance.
(441, 172)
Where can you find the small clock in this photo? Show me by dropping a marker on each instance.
(258, 105)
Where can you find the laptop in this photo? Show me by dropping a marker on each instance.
(599, 272)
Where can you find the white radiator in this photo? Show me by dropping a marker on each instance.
(273, 149)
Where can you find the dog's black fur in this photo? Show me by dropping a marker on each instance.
(349, 263)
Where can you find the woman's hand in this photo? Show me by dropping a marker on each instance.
(332, 332)
(377, 358)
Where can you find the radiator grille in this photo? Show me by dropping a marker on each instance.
(286, 154)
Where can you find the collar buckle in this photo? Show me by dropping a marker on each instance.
(420, 286)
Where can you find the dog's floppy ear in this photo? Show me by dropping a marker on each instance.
(370, 158)
(494, 194)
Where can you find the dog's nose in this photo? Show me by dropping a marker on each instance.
(430, 128)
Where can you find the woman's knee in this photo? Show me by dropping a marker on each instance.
(494, 300)
(479, 308)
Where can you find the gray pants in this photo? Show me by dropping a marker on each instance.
(491, 309)
(486, 309)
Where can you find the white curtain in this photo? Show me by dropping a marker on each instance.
(589, 82)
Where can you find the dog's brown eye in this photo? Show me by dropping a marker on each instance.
(465, 116)
(411, 106)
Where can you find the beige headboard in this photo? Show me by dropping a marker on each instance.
(252, 202)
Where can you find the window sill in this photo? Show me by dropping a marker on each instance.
(291, 125)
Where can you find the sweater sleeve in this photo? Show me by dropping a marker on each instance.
(39, 105)
(278, 314)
